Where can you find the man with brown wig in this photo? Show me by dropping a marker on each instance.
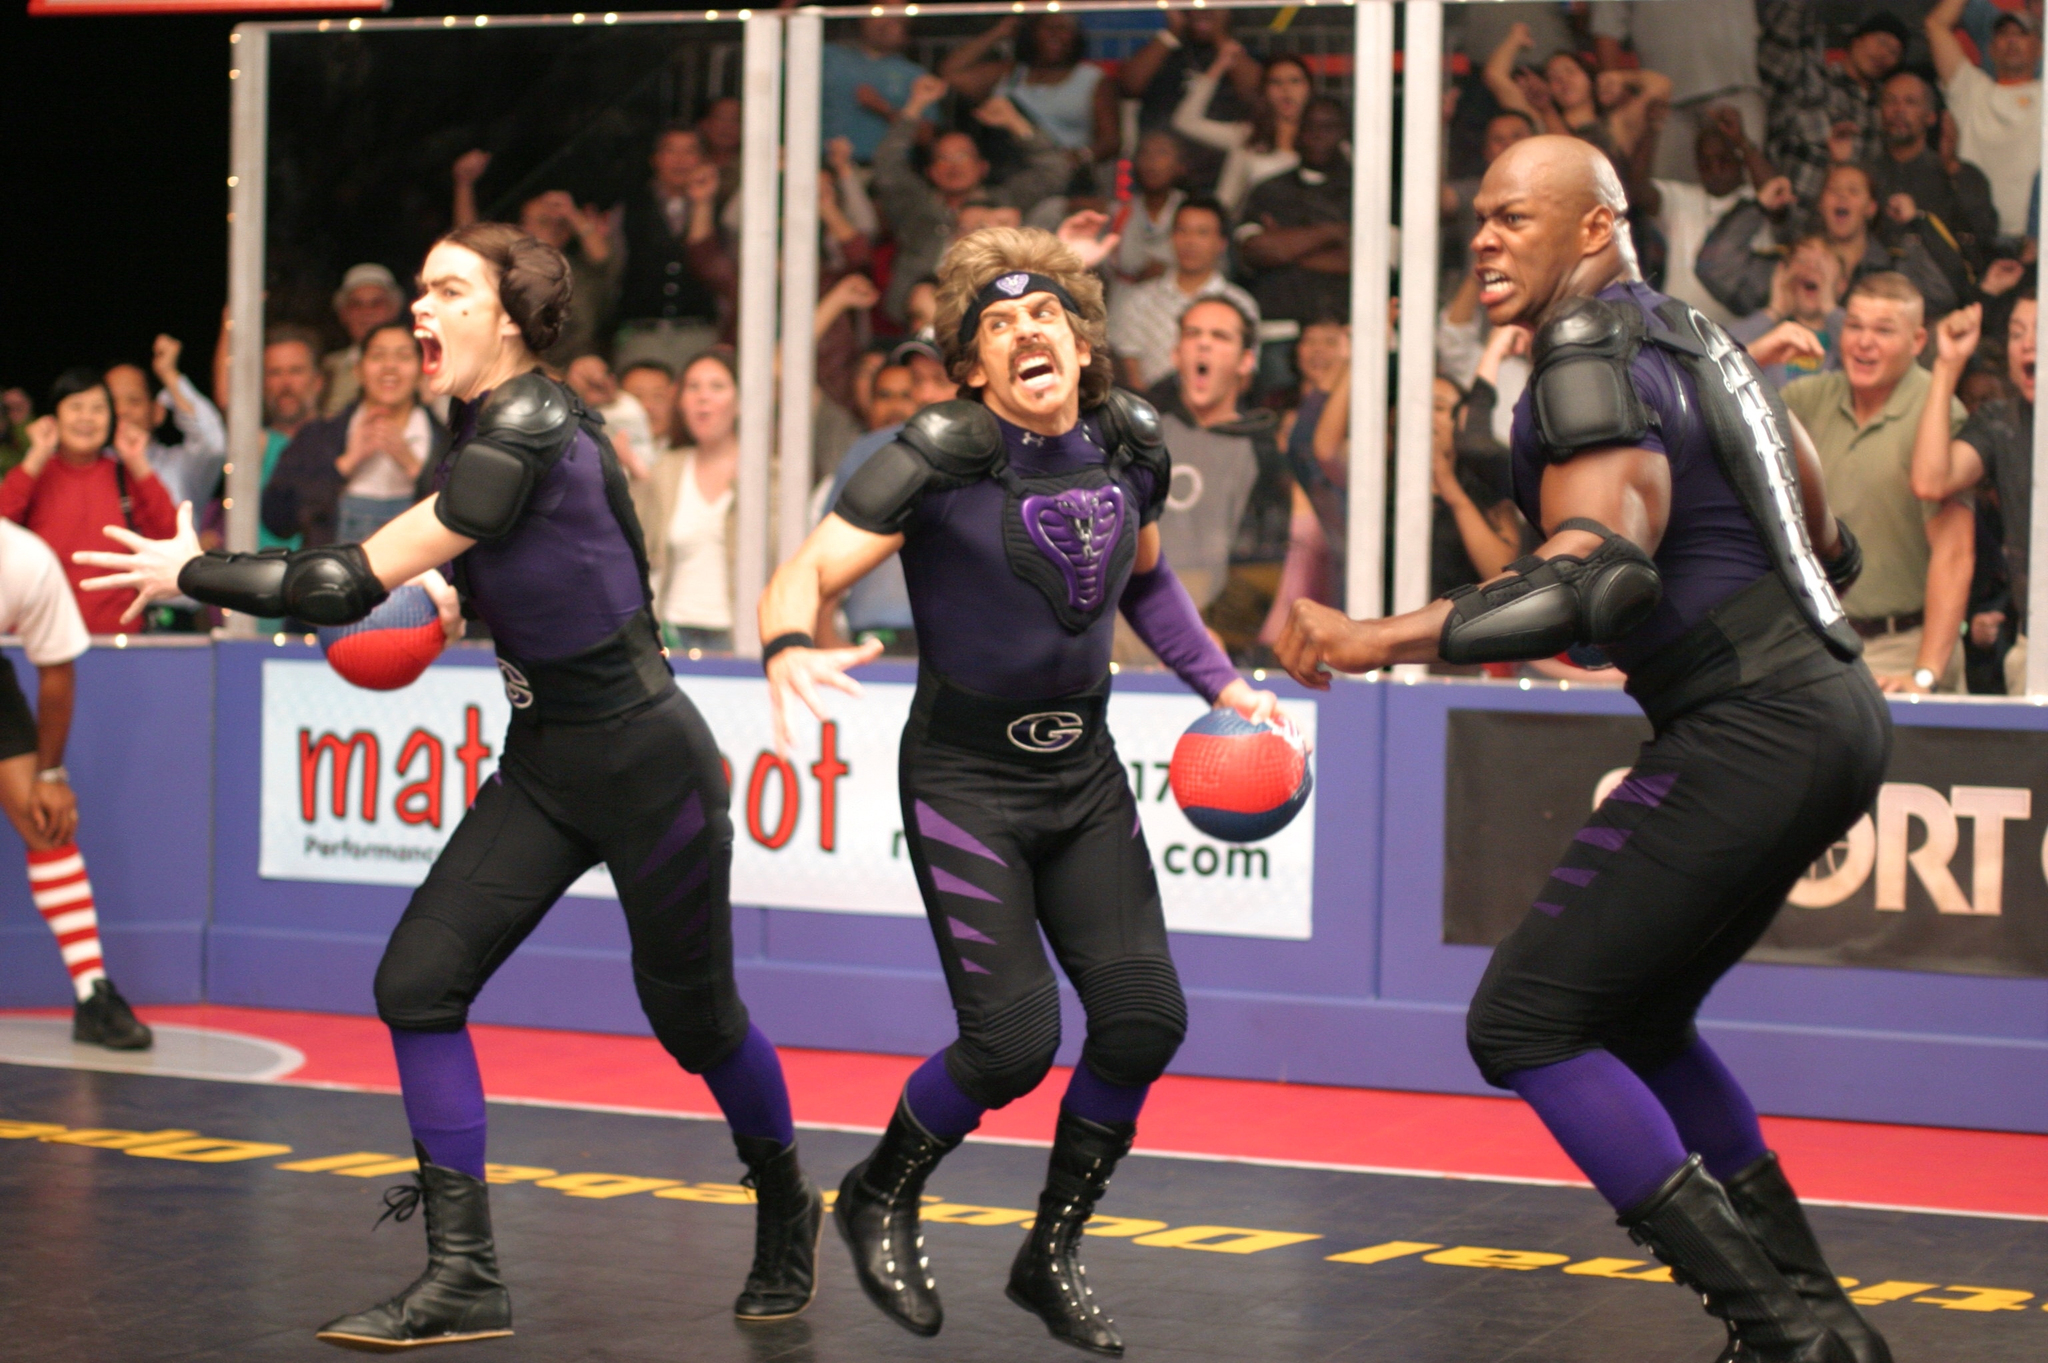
(1026, 516)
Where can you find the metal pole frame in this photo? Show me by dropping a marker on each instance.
(249, 71)
(2035, 627)
(802, 153)
(1421, 133)
(760, 138)
(1372, 152)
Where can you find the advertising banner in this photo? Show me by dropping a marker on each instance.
(365, 786)
(1948, 873)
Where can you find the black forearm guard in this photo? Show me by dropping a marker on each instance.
(1847, 564)
(250, 583)
(330, 586)
(1548, 605)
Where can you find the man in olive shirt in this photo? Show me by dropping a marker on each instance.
(1998, 444)
(1917, 554)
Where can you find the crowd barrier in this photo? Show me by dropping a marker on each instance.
(1329, 958)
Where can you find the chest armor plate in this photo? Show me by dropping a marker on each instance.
(1074, 536)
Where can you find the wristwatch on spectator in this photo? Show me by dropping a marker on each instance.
(55, 776)
(1924, 678)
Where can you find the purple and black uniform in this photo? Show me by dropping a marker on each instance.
(605, 761)
(1021, 816)
(1768, 747)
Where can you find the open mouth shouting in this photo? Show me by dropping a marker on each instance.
(1494, 288)
(1035, 371)
(430, 351)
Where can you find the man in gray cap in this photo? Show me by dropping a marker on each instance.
(368, 298)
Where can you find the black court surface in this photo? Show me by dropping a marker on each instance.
(243, 1218)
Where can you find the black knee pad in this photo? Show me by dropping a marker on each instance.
(698, 1024)
(1004, 1054)
(1137, 1016)
(423, 982)
(1514, 1028)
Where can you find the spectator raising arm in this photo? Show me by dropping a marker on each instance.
(1942, 465)
(972, 70)
(467, 170)
(1942, 43)
(1507, 91)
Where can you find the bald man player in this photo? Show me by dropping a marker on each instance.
(1690, 545)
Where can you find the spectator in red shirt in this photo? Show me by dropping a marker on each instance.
(72, 485)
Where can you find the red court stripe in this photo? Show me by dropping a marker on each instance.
(1999, 1173)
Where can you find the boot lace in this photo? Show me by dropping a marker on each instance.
(400, 1203)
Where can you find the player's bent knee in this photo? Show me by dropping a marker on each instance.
(1006, 1053)
(1137, 1018)
(699, 1024)
(423, 980)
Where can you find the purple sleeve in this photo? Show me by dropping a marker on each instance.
(1163, 615)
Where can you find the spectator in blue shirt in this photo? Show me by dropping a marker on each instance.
(866, 81)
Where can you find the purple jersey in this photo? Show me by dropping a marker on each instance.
(1711, 550)
(979, 623)
(565, 578)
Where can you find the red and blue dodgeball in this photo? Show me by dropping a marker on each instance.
(392, 645)
(1238, 781)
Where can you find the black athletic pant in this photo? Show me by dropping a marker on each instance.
(642, 792)
(1680, 871)
(1004, 849)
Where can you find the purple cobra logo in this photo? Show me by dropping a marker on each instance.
(1077, 529)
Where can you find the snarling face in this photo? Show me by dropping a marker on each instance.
(1213, 358)
(462, 327)
(1537, 222)
(1028, 363)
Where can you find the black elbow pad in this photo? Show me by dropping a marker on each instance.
(521, 432)
(330, 586)
(1548, 605)
(250, 583)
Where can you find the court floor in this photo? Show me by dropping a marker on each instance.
(158, 1217)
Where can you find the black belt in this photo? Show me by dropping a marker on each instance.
(1876, 627)
(1758, 634)
(606, 679)
(1036, 732)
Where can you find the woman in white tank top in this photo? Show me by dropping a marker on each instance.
(686, 508)
(1048, 78)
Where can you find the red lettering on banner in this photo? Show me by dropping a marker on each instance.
(343, 750)
(471, 754)
(828, 769)
(420, 802)
(792, 801)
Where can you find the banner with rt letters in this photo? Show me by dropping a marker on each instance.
(365, 786)
(1948, 873)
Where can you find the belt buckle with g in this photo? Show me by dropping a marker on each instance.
(1049, 731)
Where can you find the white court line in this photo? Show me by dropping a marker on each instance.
(1202, 1157)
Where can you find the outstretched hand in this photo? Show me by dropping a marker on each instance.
(1081, 233)
(801, 671)
(150, 571)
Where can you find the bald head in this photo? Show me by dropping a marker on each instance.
(1552, 225)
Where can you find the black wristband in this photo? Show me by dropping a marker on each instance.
(796, 638)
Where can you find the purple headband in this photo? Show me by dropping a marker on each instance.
(1007, 287)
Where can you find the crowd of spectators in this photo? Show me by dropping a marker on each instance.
(1856, 205)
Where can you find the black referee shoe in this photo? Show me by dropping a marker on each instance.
(105, 1019)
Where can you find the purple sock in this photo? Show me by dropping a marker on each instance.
(1608, 1121)
(937, 1102)
(1713, 1115)
(1090, 1095)
(749, 1089)
(444, 1096)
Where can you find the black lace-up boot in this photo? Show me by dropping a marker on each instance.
(877, 1214)
(1771, 1210)
(1690, 1225)
(103, 1018)
(1047, 1278)
(460, 1296)
(789, 1216)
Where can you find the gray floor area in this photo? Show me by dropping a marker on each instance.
(180, 1052)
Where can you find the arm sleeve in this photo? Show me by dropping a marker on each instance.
(1729, 267)
(1190, 117)
(51, 628)
(206, 435)
(1163, 615)
(17, 490)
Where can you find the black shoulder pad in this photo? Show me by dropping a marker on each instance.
(1582, 395)
(1136, 439)
(529, 413)
(882, 493)
(521, 432)
(959, 439)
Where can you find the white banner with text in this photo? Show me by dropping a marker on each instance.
(365, 787)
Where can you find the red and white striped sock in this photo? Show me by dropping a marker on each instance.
(63, 895)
